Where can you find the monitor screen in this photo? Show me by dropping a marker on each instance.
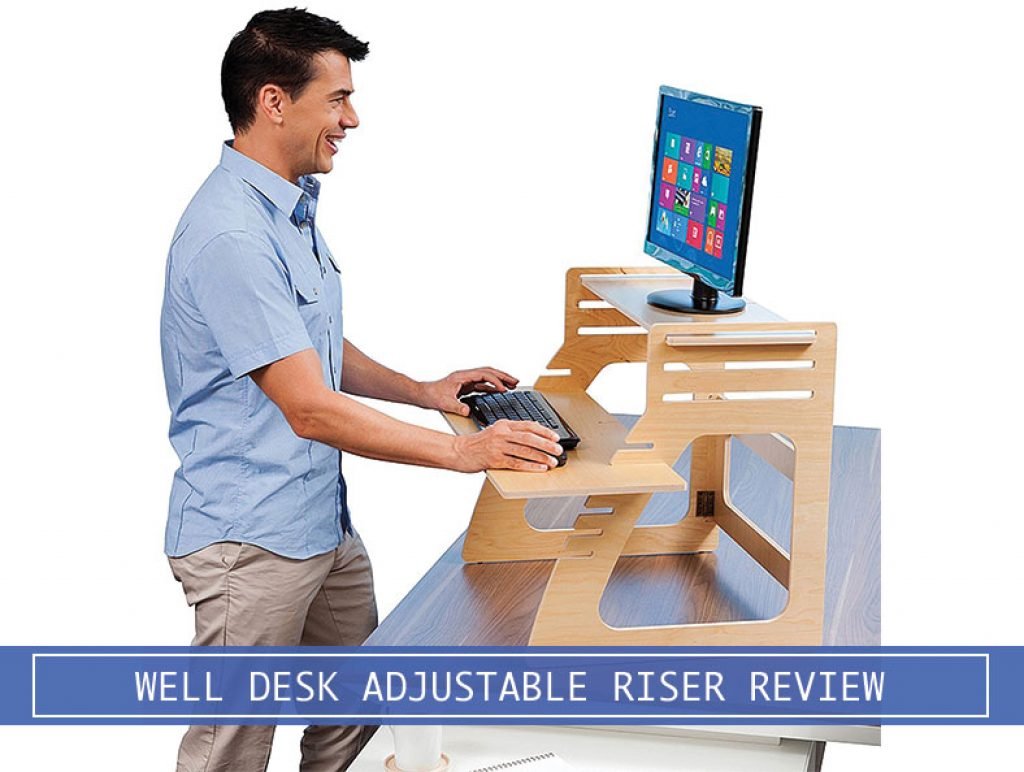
(701, 183)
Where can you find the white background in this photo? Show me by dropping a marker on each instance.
(502, 147)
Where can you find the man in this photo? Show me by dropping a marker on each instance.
(255, 364)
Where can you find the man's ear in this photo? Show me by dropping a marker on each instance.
(270, 102)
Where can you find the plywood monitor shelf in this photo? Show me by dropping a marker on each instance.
(628, 294)
(588, 470)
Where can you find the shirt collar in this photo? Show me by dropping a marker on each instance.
(305, 209)
(281, 193)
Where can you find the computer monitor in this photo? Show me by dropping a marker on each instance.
(702, 183)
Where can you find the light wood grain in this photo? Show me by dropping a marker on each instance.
(773, 448)
(589, 468)
(459, 604)
(619, 472)
(582, 356)
(627, 292)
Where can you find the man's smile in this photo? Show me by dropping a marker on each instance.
(333, 140)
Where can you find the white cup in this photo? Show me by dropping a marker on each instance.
(417, 748)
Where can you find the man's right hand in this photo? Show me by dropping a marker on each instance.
(521, 445)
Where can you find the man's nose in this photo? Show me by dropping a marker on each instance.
(349, 118)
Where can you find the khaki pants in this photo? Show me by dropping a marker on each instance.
(246, 596)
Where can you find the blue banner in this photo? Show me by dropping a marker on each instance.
(791, 685)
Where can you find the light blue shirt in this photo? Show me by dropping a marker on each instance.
(249, 281)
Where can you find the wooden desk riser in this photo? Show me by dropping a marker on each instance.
(749, 375)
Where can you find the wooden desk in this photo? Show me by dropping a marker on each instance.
(459, 604)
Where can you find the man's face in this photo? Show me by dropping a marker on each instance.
(315, 122)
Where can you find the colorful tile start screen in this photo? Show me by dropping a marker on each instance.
(698, 184)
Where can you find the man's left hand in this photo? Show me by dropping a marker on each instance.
(444, 394)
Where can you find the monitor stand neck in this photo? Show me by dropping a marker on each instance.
(702, 299)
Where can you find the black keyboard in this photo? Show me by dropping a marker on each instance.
(525, 405)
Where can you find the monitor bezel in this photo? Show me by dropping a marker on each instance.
(733, 287)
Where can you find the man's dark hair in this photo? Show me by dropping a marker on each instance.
(278, 47)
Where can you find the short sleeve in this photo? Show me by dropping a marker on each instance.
(243, 293)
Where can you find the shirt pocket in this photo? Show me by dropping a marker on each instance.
(308, 297)
(306, 292)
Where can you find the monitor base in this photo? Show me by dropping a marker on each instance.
(701, 300)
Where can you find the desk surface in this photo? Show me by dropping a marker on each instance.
(494, 604)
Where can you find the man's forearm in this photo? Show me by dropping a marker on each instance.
(348, 425)
(296, 385)
(366, 377)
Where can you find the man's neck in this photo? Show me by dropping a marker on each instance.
(263, 153)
